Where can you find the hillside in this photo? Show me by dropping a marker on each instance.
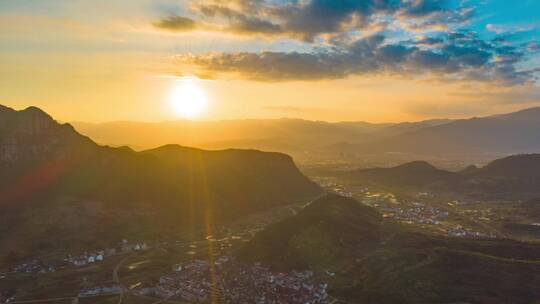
(325, 233)
(418, 173)
(512, 133)
(516, 177)
(57, 186)
(367, 260)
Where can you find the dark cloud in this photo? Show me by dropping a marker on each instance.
(273, 66)
(455, 56)
(241, 19)
(331, 16)
(243, 24)
(176, 23)
(428, 41)
(307, 20)
(443, 51)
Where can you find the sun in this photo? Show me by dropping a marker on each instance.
(188, 98)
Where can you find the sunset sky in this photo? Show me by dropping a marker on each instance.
(335, 60)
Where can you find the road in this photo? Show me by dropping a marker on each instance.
(73, 300)
(116, 279)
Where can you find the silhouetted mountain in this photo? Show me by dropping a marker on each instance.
(269, 134)
(516, 132)
(416, 173)
(404, 127)
(469, 170)
(32, 134)
(526, 166)
(52, 172)
(516, 177)
(368, 260)
(485, 137)
(294, 136)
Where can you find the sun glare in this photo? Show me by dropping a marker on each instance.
(188, 98)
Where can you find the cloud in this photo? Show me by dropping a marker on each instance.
(317, 17)
(271, 66)
(510, 29)
(176, 23)
(308, 20)
(453, 56)
(356, 37)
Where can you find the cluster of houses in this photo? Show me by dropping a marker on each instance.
(407, 212)
(420, 213)
(258, 284)
(86, 258)
(97, 256)
(102, 290)
(38, 266)
(35, 266)
(228, 281)
(417, 213)
(460, 231)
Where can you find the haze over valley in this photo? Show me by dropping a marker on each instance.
(447, 142)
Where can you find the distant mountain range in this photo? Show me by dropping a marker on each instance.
(514, 177)
(517, 132)
(368, 260)
(301, 138)
(61, 188)
(267, 134)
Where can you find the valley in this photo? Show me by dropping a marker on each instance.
(97, 224)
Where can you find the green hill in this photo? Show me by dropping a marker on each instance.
(380, 262)
(323, 234)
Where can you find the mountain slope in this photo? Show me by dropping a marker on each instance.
(54, 180)
(513, 177)
(326, 231)
(367, 260)
(416, 173)
(517, 132)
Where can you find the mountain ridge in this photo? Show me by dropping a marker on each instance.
(514, 175)
(48, 169)
(514, 132)
(500, 134)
